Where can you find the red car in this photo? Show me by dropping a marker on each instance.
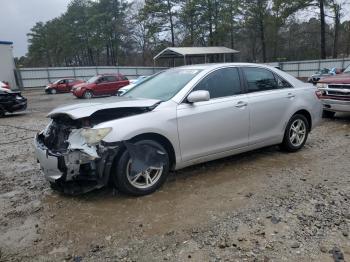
(335, 93)
(4, 84)
(63, 85)
(100, 85)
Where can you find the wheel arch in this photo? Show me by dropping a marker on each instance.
(307, 115)
(158, 138)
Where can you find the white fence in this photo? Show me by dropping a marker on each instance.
(38, 77)
(306, 68)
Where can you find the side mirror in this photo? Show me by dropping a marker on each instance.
(198, 96)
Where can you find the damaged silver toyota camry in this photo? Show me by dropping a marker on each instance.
(177, 118)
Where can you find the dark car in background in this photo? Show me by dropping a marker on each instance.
(100, 85)
(63, 85)
(11, 101)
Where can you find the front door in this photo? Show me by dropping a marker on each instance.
(218, 125)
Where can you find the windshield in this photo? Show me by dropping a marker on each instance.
(56, 82)
(347, 70)
(93, 79)
(164, 85)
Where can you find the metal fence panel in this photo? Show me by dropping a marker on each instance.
(304, 69)
(39, 77)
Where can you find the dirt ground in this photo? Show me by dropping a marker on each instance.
(264, 205)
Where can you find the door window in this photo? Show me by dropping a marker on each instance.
(221, 83)
(282, 83)
(259, 79)
(110, 79)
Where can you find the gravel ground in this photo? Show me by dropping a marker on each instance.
(264, 205)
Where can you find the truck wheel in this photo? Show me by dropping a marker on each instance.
(143, 183)
(328, 114)
(88, 94)
(296, 133)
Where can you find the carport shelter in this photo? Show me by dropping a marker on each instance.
(186, 52)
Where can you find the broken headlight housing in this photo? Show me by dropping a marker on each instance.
(94, 135)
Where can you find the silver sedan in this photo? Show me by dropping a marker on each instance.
(178, 118)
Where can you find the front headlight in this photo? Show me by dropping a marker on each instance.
(94, 136)
(321, 85)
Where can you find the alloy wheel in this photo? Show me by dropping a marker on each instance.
(144, 179)
(297, 132)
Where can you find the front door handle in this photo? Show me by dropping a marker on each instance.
(290, 95)
(241, 104)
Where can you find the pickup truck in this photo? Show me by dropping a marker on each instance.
(335, 93)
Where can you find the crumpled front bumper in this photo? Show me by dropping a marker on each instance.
(74, 171)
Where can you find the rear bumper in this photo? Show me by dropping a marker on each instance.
(335, 105)
(75, 172)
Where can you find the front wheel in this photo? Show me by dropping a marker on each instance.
(296, 133)
(88, 94)
(53, 91)
(145, 182)
(2, 112)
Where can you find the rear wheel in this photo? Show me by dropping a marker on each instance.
(88, 94)
(328, 114)
(142, 183)
(296, 133)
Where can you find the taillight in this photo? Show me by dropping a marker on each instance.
(318, 93)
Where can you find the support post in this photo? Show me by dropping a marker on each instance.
(184, 60)
(224, 58)
(205, 58)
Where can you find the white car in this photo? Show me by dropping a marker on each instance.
(178, 118)
(132, 84)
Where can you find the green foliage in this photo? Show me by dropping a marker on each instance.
(121, 32)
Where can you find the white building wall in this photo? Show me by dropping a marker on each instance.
(7, 64)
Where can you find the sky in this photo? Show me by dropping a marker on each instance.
(17, 17)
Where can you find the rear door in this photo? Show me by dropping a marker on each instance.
(112, 85)
(70, 84)
(218, 125)
(122, 81)
(271, 101)
(101, 87)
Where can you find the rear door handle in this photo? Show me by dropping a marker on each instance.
(241, 104)
(290, 95)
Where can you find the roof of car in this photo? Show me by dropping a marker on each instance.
(112, 74)
(217, 65)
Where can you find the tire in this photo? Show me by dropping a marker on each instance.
(2, 112)
(294, 143)
(88, 94)
(120, 172)
(53, 91)
(328, 114)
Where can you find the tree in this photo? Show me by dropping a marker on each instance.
(164, 15)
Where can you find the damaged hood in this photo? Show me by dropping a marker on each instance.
(85, 109)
